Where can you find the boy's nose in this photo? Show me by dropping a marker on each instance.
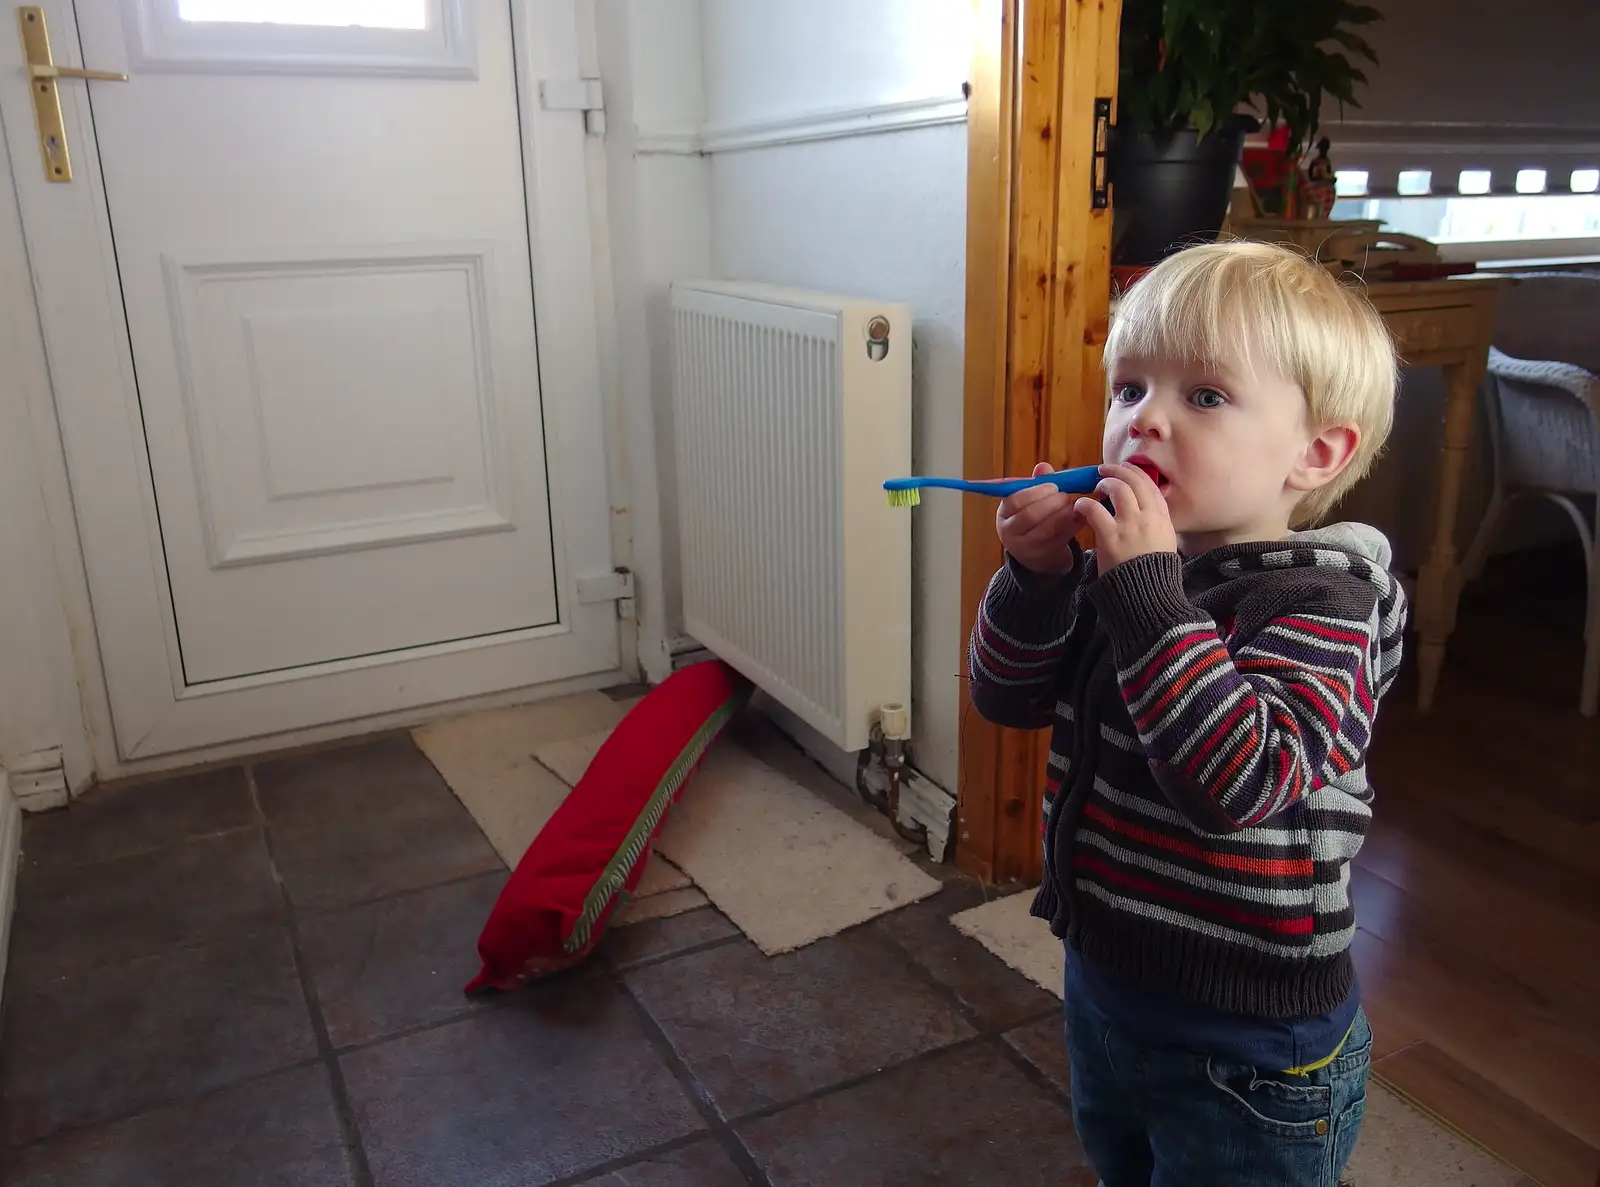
(1147, 422)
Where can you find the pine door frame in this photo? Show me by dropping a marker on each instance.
(1038, 294)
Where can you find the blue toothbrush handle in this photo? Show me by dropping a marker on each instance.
(1080, 480)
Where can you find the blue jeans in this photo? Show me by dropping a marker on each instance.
(1163, 1117)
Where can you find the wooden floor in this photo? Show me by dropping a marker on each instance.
(1478, 891)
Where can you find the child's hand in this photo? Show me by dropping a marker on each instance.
(1142, 523)
(1036, 527)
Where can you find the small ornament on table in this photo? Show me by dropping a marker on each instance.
(1319, 186)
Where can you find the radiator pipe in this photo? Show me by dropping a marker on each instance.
(890, 744)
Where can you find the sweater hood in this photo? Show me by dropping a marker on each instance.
(1361, 552)
(1358, 538)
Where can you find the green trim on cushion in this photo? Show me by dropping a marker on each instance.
(617, 870)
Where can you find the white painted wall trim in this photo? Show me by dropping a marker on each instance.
(38, 780)
(804, 127)
(10, 864)
(82, 710)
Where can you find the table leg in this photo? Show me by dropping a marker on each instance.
(1439, 584)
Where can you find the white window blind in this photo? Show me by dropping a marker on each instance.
(1491, 87)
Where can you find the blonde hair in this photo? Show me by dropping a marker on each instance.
(1269, 309)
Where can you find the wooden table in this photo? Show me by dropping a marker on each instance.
(1445, 324)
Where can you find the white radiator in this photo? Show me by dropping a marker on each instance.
(789, 411)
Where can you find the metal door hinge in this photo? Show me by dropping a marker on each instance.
(1099, 156)
(608, 587)
(576, 94)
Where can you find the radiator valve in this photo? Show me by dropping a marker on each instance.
(889, 744)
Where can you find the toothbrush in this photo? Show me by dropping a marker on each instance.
(907, 492)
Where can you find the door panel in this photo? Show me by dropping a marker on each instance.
(313, 284)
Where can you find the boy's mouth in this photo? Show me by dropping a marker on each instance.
(1152, 470)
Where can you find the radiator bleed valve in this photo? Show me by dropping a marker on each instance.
(889, 745)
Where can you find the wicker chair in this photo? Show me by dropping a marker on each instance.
(1544, 429)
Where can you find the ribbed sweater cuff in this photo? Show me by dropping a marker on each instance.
(1030, 605)
(1140, 599)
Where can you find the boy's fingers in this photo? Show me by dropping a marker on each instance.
(1037, 511)
(1032, 494)
(1139, 482)
(1120, 494)
(1096, 516)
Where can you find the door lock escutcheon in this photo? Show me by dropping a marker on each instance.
(43, 75)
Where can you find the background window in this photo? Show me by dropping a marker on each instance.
(371, 14)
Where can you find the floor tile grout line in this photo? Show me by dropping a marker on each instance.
(145, 1110)
(969, 1015)
(1033, 1073)
(589, 1174)
(996, 1034)
(721, 1129)
(350, 1132)
(49, 868)
(311, 912)
(260, 925)
(922, 973)
(972, 1042)
(661, 958)
(485, 1005)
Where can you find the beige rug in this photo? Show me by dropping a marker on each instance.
(787, 868)
(1399, 1145)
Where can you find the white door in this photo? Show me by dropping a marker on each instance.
(326, 459)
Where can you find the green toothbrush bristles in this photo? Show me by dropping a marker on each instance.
(904, 498)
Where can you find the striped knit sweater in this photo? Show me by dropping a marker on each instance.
(1206, 787)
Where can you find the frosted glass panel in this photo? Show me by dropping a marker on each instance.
(371, 14)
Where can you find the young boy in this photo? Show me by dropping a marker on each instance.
(1211, 678)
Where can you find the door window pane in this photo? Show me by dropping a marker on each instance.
(370, 14)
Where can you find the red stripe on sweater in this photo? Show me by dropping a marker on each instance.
(1276, 867)
(1273, 664)
(1005, 671)
(1010, 651)
(1175, 690)
(1203, 755)
(1158, 663)
(1300, 925)
(1327, 632)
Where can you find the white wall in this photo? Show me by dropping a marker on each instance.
(879, 215)
(768, 60)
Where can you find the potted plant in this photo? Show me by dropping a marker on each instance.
(1190, 72)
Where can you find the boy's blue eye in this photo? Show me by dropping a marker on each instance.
(1129, 393)
(1209, 397)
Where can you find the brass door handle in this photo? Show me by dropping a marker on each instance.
(36, 71)
(42, 75)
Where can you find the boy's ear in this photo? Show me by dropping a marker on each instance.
(1325, 457)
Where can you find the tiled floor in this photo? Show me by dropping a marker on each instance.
(254, 977)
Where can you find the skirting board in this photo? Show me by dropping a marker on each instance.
(10, 864)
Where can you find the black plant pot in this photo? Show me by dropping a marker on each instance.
(1170, 191)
